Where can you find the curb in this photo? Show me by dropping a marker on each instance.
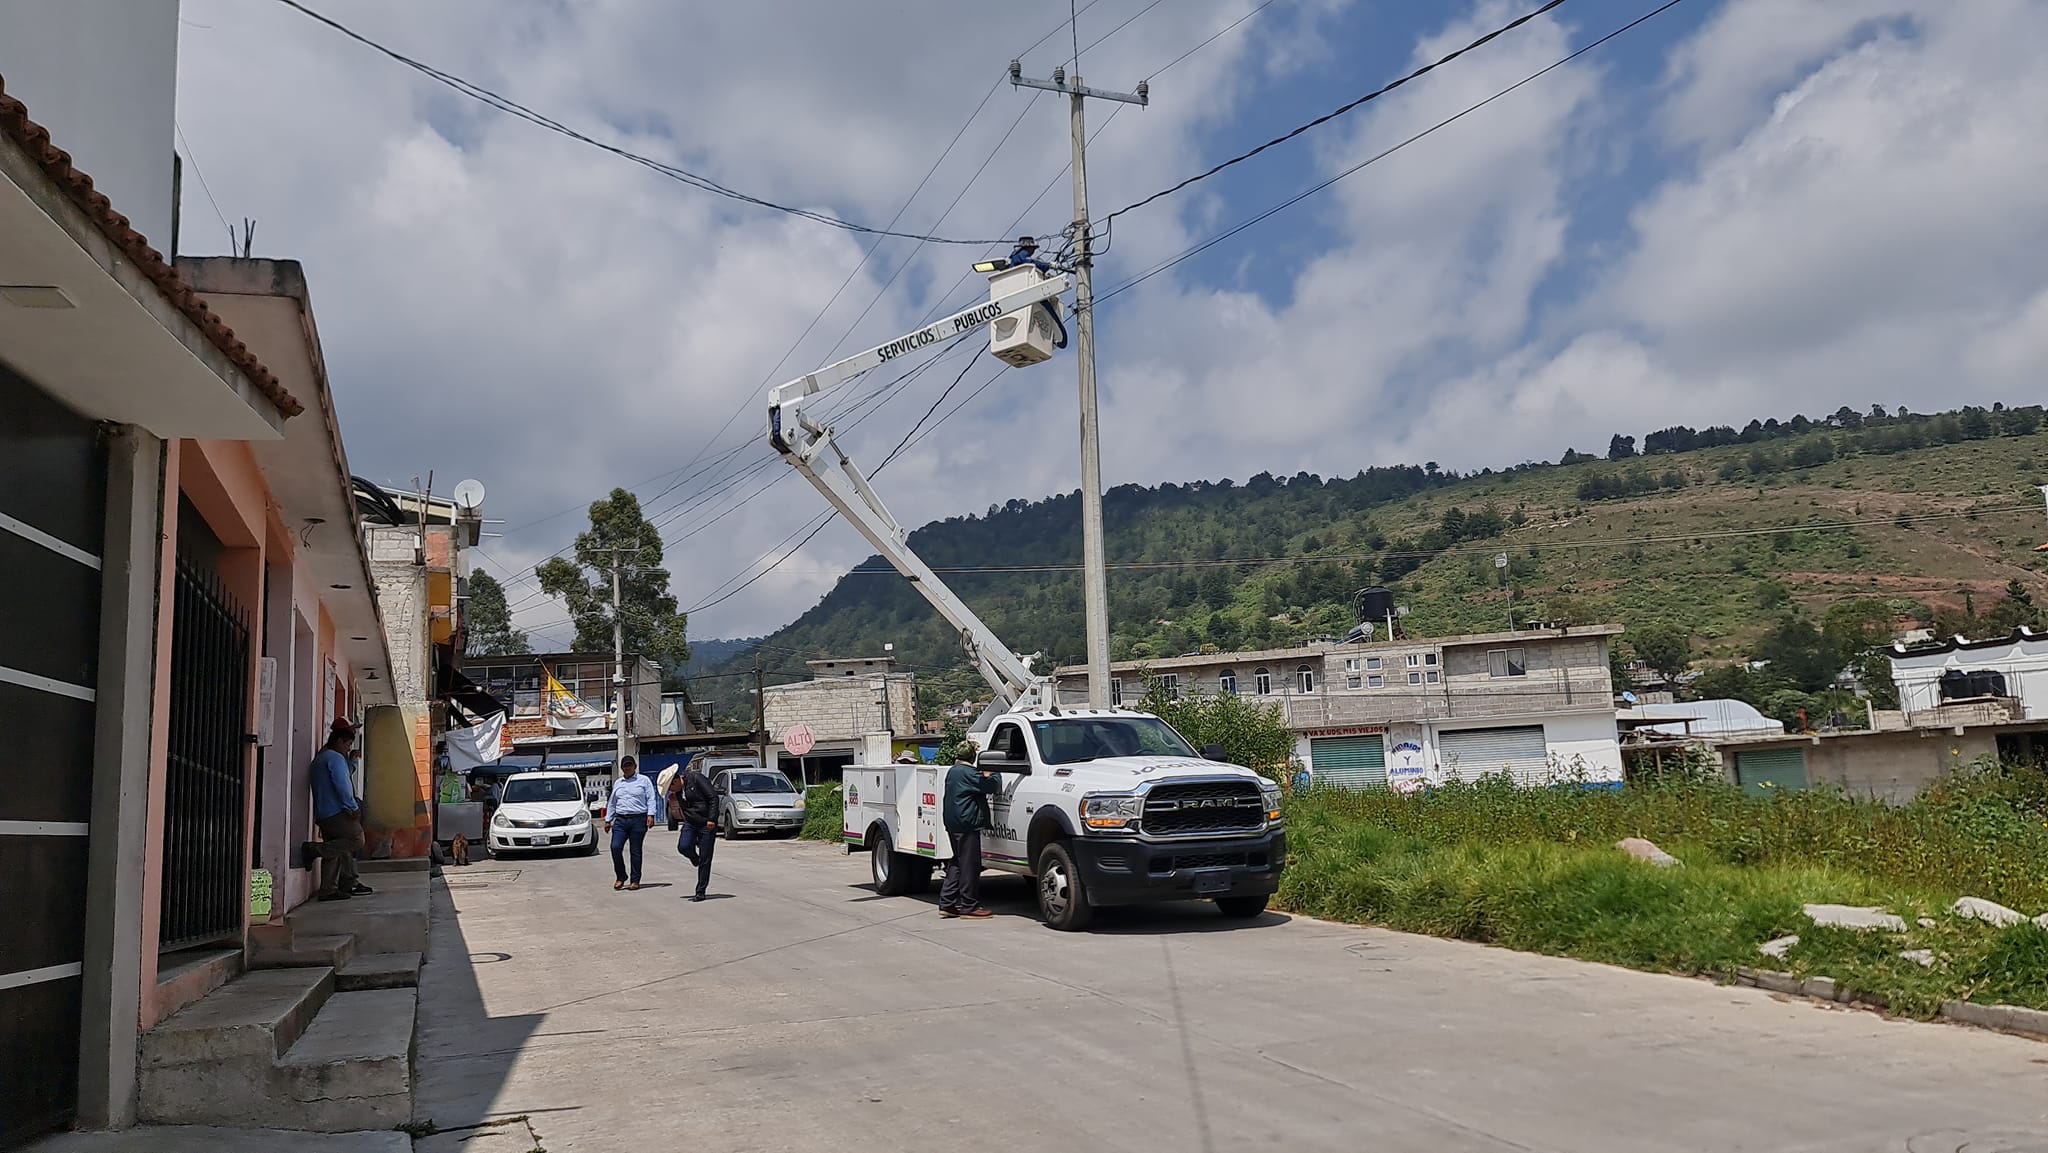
(2015, 1019)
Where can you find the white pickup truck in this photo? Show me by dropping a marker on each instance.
(1099, 806)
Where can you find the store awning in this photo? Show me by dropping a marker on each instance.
(468, 695)
(506, 766)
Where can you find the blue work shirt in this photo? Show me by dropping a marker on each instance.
(636, 795)
(334, 789)
(1023, 256)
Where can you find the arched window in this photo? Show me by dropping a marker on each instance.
(1305, 677)
(1262, 682)
(1227, 681)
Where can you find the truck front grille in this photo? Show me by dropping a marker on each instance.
(1204, 807)
(1168, 864)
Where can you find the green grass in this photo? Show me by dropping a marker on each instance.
(1536, 870)
(824, 807)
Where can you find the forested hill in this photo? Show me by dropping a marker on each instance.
(1924, 513)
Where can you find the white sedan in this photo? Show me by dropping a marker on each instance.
(542, 811)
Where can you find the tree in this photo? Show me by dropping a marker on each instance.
(1800, 655)
(1665, 648)
(1621, 447)
(488, 621)
(1251, 735)
(653, 626)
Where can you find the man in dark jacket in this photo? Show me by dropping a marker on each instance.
(699, 803)
(966, 814)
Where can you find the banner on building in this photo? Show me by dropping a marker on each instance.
(567, 711)
(479, 744)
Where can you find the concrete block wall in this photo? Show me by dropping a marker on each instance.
(840, 709)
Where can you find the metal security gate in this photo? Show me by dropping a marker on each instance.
(1759, 771)
(1519, 752)
(53, 510)
(1348, 762)
(206, 862)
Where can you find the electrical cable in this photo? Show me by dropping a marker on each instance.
(203, 186)
(512, 107)
(1333, 114)
(1374, 159)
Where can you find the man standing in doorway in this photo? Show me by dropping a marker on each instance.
(635, 806)
(697, 802)
(966, 815)
(336, 813)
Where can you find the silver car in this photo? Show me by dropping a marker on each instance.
(757, 800)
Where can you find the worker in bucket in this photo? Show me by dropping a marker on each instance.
(1026, 252)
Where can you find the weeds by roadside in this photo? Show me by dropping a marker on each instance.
(823, 809)
(1535, 869)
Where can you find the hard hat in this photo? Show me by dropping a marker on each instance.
(1027, 242)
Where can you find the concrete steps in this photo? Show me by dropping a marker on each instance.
(379, 971)
(353, 1068)
(282, 1049)
(391, 920)
(294, 950)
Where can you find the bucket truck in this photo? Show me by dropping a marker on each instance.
(1098, 806)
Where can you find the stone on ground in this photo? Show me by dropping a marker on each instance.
(1921, 957)
(1643, 850)
(1991, 912)
(1855, 917)
(2042, 920)
(1778, 947)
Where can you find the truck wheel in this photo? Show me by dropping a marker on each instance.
(893, 871)
(1062, 900)
(1241, 908)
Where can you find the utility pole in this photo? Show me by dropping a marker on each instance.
(618, 661)
(1094, 571)
(760, 716)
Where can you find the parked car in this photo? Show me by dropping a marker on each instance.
(542, 811)
(757, 800)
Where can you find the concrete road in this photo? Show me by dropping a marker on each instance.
(801, 1012)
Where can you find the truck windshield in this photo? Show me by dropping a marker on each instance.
(1065, 742)
(543, 789)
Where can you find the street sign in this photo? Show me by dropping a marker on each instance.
(799, 739)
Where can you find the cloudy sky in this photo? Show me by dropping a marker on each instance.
(1741, 208)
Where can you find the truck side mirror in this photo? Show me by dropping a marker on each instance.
(1215, 753)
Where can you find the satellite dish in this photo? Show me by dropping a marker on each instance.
(469, 495)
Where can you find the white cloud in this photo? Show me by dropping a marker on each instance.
(1820, 202)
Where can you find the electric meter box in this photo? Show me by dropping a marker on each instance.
(1027, 337)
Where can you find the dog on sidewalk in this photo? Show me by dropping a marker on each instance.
(460, 850)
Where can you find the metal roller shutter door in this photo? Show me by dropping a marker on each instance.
(1760, 770)
(1348, 762)
(1474, 753)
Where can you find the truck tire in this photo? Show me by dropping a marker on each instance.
(1062, 898)
(1241, 908)
(894, 872)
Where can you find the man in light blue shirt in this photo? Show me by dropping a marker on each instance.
(339, 818)
(635, 805)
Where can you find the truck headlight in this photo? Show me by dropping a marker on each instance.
(1271, 793)
(1112, 811)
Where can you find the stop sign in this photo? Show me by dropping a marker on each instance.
(799, 739)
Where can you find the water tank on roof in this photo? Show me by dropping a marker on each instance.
(1374, 604)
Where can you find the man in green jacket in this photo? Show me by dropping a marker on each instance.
(966, 813)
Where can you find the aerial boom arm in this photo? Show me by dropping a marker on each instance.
(803, 443)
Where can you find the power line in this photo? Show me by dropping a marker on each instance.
(512, 107)
(1374, 159)
(1334, 113)
(203, 186)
